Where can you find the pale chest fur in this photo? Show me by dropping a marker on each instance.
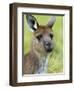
(43, 66)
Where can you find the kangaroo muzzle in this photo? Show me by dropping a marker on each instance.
(48, 46)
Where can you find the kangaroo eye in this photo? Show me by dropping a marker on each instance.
(39, 37)
(51, 35)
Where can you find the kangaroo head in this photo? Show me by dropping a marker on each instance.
(43, 33)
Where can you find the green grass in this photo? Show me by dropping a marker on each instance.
(55, 63)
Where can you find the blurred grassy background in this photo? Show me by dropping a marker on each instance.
(55, 64)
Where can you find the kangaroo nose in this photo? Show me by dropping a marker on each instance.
(48, 44)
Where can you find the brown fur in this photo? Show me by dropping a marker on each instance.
(31, 62)
(43, 30)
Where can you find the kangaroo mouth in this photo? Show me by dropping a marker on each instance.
(49, 50)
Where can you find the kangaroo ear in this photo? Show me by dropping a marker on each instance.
(51, 22)
(32, 22)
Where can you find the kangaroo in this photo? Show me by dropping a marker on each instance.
(36, 62)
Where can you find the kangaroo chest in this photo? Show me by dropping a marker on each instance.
(43, 66)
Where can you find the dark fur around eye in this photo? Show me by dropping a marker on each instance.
(51, 35)
(39, 37)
